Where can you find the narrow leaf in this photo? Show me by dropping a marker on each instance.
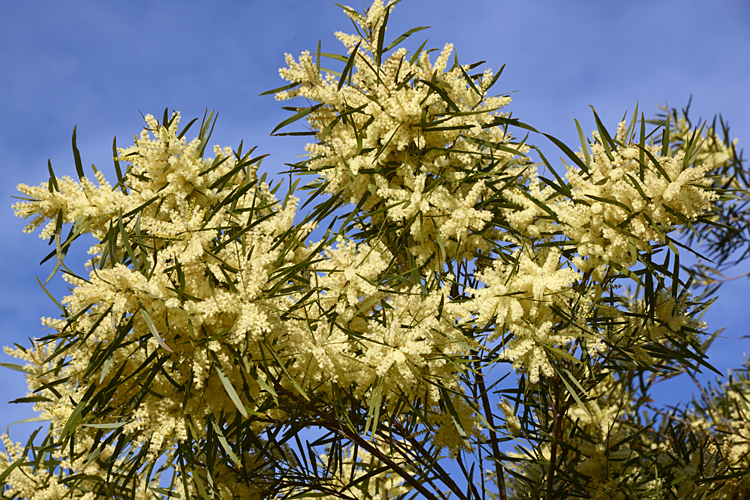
(454, 417)
(348, 67)
(224, 443)
(404, 37)
(152, 328)
(77, 156)
(280, 89)
(295, 117)
(230, 389)
(15, 367)
(568, 152)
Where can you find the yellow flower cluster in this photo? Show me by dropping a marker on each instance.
(205, 311)
(626, 199)
(402, 135)
(720, 439)
(359, 468)
(596, 448)
(173, 294)
(521, 297)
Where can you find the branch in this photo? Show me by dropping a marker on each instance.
(553, 451)
(479, 376)
(445, 477)
(333, 425)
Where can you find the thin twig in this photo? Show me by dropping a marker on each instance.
(334, 425)
(553, 451)
(711, 403)
(479, 376)
(473, 487)
(444, 476)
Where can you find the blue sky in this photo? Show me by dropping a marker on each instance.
(97, 64)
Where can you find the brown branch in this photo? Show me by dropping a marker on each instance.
(444, 476)
(553, 451)
(479, 377)
(332, 424)
(466, 474)
(373, 450)
(711, 403)
(731, 278)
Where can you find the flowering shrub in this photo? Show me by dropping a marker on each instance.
(216, 327)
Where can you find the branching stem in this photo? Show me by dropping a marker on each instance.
(553, 450)
(503, 495)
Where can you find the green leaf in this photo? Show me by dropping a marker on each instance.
(470, 81)
(502, 120)
(164, 491)
(633, 251)
(126, 244)
(561, 182)
(638, 187)
(59, 251)
(404, 37)
(225, 443)
(373, 412)
(442, 93)
(15, 367)
(443, 129)
(611, 202)
(443, 253)
(540, 204)
(281, 89)
(657, 165)
(262, 383)
(77, 156)
(187, 127)
(584, 144)
(606, 139)
(29, 421)
(317, 56)
(74, 419)
(573, 393)
(568, 152)
(152, 328)
(625, 271)
(348, 68)
(207, 129)
(336, 57)
(52, 184)
(229, 388)
(563, 353)
(30, 399)
(295, 117)
(642, 146)
(9, 469)
(416, 54)
(496, 77)
(454, 416)
(381, 37)
(284, 369)
(665, 139)
(496, 146)
(118, 170)
(65, 311)
(115, 425)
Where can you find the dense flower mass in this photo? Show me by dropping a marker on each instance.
(624, 200)
(171, 293)
(523, 302)
(215, 328)
(406, 136)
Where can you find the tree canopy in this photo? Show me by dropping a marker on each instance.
(424, 306)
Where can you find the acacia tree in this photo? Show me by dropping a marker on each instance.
(446, 304)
